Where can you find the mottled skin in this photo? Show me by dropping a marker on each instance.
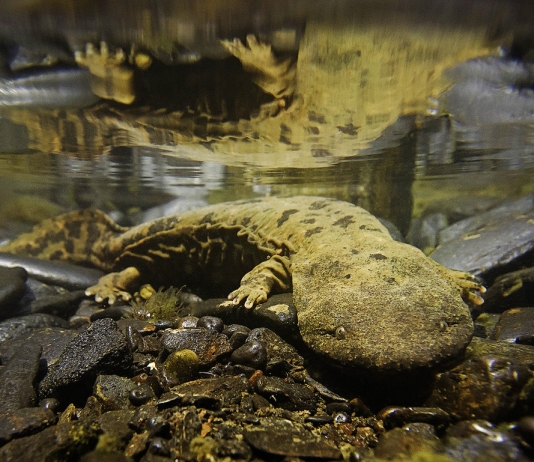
(363, 299)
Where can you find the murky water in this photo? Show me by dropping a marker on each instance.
(375, 115)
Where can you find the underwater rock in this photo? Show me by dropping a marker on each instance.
(408, 441)
(54, 443)
(24, 422)
(287, 395)
(208, 345)
(285, 438)
(515, 325)
(99, 349)
(484, 387)
(486, 245)
(12, 288)
(16, 327)
(510, 290)
(17, 377)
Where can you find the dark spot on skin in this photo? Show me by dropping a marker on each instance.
(313, 231)
(345, 221)
(308, 221)
(318, 205)
(206, 218)
(368, 229)
(284, 140)
(354, 252)
(317, 153)
(69, 246)
(245, 221)
(391, 280)
(285, 216)
(349, 129)
(347, 276)
(378, 256)
(74, 229)
(314, 117)
(313, 130)
(56, 255)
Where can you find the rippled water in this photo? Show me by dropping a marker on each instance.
(368, 122)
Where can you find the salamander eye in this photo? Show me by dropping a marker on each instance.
(341, 333)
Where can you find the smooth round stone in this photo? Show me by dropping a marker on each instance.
(525, 427)
(252, 354)
(211, 322)
(183, 364)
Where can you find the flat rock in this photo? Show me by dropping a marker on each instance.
(286, 438)
(208, 345)
(490, 242)
(16, 327)
(23, 422)
(99, 349)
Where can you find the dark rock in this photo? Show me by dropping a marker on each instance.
(515, 325)
(15, 327)
(117, 433)
(525, 428)
(510, 290)
(290, 396)
(92, 409)
(465, 245)
(252, 354)
(285, 438)
(158, 446)
(99, 349)
(333, 408)
(183, 364)
(60, 442)
(159, 426)
(52, 340)
(17, 377)
(211, 393)
(101, 456)
(54, 272)
(484, 387)
(518, 354)
(423, 232)
(142, 415)
(12, 288)
(211, 322)
(461, 207)
(479, 440)
(115, 312)
(114, 392)
(277, 313)
(320, 419)
(49, 403)
(188, 322)
(60, 305)
(208, 345)
(400, 416)
(278, 350)
(404, 443)
(23, 422)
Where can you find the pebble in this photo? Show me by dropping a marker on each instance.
(183, 364)
(400, 416)
(251, 354)
(211, 322)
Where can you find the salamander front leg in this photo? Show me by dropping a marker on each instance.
(271, 275)
(115, 286)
